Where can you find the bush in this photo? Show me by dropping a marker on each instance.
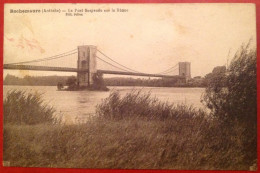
(232, 98)
(232, 95)
(20, 107)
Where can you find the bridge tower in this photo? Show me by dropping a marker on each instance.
(86, 62)
(184, 70)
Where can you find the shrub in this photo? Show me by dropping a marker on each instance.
(232, 95)
(20, 107)
(232, 98)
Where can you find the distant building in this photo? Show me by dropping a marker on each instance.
(184, 70)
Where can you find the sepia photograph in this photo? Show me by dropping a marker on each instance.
(165, 86)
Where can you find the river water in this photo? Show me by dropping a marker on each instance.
(77, 106)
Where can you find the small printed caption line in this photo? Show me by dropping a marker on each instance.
(71, 12)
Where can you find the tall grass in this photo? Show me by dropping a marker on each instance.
(135, 131)
(20, 107)
(139, 104)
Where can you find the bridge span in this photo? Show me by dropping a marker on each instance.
(87, 66)
(68, 69)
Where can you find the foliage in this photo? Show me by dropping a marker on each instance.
(218, 74)
(160, 82)
(115, 81)
(232, 94)
(72, 83)
(20, 107)
(98, 82)
(232, 98)
(34, 80)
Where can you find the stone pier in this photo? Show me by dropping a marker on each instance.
(86, 61)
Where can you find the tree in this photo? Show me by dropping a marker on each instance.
(98, 82)
(71, 82)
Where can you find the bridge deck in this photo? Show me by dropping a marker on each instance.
(67, 69)
(39, 68)
(133, 74)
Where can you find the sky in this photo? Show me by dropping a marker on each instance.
(147, 37)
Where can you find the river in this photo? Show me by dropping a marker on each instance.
(77, 106)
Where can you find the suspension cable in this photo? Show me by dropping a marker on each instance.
(117, 62)
(48, 58)
(112, 64)
(170, 69)
(174, 70)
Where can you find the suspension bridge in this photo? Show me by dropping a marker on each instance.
(91, 60)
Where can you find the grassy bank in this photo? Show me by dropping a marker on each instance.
(136, 131)
(123, 144)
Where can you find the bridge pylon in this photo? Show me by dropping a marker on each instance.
(184, 70)
(87, 65)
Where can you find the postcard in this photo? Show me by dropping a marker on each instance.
(168, 86)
